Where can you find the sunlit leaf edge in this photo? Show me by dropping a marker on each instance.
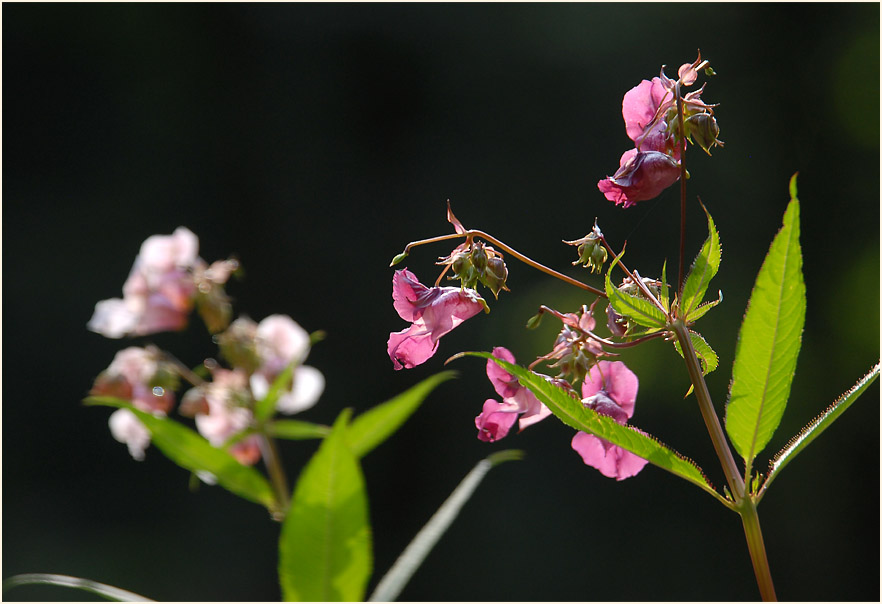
(703, 270)
(817, 426)
(640, 310)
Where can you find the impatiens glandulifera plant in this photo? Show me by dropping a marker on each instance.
(662, 121)
(325, 547)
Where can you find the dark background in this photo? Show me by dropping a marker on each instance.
(314, 141)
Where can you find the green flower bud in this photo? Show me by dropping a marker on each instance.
(703, 128)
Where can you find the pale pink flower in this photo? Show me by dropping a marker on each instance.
(496, 419)
(226, 398)
(130, 376)
(128, 429)
(279, 342)
(159, 292)
(434, 312)
(609, 389)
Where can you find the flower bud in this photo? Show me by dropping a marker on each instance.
(479, 257)
(238, 344)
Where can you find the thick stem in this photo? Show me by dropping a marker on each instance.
(757, 548)
(705, 405)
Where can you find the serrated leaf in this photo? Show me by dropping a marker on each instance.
(706, 355)
(705, 266)
(573, 413)
(379, 423)
(769, 342)
(640, 310)
(292, 429)
(702, 309)
(390, 586)
(818, 425)
(664, 296)
(325, 545)
(189, 450)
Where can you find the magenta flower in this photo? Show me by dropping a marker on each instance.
(609, 389)
(496, 419)
(642, 175)
(434, 311)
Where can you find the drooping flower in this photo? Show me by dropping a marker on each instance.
(496, 419)
(136, 375)
(609, 389)
(642, 175)
(166, 279)
(433, 312)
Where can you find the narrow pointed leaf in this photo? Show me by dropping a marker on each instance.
(705, 266)
(702, 309)
(192, 452)
(769, 342)
(573, 413)
(818, 425)
(325, 545)
(640, 310)
(108, 592)
(390, 586)
(379, 423)
(664, 296)
(292, 429)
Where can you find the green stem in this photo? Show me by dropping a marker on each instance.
(682, 128)
(757, 549)
(705, 405)
(276, 474)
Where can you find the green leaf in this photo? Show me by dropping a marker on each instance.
(818, 425)
(390, 586)
(265, 407)
(573, 413)
(379, 423)
(293, 429)
(105, 591)
(189, 450)
(706, 355)
(768, 343)
(640, 310)
(325, 545)
(702, 309)
(705, 266)
(664, 296)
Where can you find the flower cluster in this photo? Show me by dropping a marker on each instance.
(652, 122)
(166, 281)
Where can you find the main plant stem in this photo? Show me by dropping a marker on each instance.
(276, 474)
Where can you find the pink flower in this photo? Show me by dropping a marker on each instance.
(225, 413)
(279, 342)
(496, 419)
(434, 311)
(131, 376)
(640, 107)
(609, 389)
(641, 175)
(159, 292)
